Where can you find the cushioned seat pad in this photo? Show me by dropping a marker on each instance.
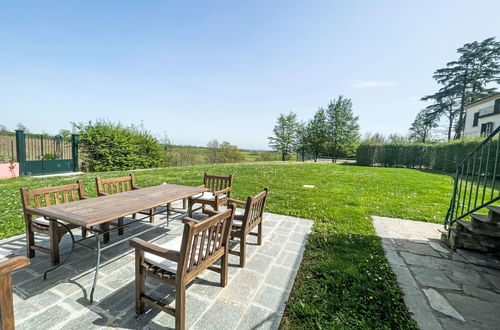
(45, 222)
(173, 245)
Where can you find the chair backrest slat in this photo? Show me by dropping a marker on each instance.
(215, 183)
(51, 195)
(255, 208)
(114, 185)
(202, 241)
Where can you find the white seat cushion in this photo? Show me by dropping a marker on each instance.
(209, 196)
(238, 223)
(45, 222)
(166, 264)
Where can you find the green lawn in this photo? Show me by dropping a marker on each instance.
(344, 280)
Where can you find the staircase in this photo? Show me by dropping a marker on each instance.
(473, 219)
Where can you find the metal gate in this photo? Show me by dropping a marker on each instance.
(39, 154)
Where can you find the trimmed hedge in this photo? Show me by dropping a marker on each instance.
(111, 146)
(438, 156)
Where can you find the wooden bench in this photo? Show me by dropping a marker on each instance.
(244, 224)
(179, 261)
(219, 190)
(6, 304)
(36, 198)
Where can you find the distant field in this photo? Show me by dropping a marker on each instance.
(344, 280)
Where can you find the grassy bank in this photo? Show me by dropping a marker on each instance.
(344, 280)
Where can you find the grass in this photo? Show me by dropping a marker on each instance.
(344, 280)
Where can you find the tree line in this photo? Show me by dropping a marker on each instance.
(333, 130)
(462, 81)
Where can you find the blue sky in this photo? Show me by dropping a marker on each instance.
(226, 69)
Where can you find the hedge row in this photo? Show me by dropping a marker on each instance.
(438, 156)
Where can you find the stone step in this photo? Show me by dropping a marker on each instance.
(459, 237)
(479, 231)
(483, 221)
(494, 213)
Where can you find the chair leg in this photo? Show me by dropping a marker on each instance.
(151, 215)
(190, 208)
(120, 226)
(184, 203)
(180, 306)
(259, 235)
(140, 281)
(243, 250)
(134, 216)
(105, 228)
(54, 243)
(224, 268)
(84, 232)
(30, 241)
(169, 208)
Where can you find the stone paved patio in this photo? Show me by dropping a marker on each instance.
(443, 289)
(254, 298)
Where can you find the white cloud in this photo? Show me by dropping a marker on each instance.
(373, 84)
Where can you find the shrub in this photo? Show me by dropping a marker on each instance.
(438, 156)
(108, 146)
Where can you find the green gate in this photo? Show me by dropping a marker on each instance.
(39, 154)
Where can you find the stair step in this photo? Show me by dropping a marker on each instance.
(479, 231)
(494, 213)
(483, 221)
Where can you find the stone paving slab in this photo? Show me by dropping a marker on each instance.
(443, 289)
(254, 298)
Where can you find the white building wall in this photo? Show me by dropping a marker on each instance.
(483, 108)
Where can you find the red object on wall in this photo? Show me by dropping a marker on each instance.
(9, 170)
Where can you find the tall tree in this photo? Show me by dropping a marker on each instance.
(466, 80)
(446, 104)
(343, 128)
(301, 140)
(421, 128)
(317, 133)
(213, 154)
(284, 134)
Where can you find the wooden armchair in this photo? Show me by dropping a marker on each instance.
(179, 261)
(35, 198)
(113, 186)
(244, 224)
(6, 302)
(220, 188)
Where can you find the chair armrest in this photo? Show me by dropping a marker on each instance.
(12, 264)
(154, 249)
(225, 190)
(29, 210)
(237, 202)
(188, 220)
(210, 213)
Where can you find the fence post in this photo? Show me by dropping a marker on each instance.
(21, 151)
(74, 151)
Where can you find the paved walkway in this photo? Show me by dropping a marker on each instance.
(254, 298)
(443, 289)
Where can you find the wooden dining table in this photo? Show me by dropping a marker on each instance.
(91, 212)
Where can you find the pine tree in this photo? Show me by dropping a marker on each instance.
(343, 128)
(466, 80)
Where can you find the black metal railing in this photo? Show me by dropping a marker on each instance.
(475, 181)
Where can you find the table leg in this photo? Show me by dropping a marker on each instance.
(70, 252)
(98, 262)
